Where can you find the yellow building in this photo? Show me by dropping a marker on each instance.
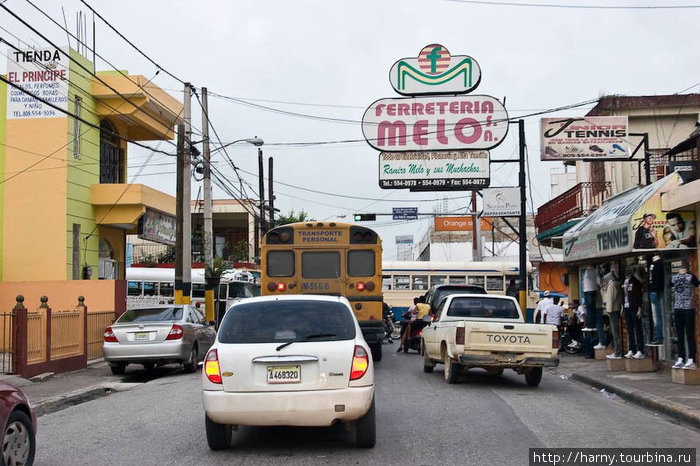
(65, 202)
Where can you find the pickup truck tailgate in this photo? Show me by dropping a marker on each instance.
(508, 337)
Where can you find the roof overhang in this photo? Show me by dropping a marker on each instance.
(147, 111)
(554, 237)
(121, 205)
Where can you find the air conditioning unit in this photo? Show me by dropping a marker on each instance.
(107, 269)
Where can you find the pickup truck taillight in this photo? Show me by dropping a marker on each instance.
(555, 339)
(459, 337)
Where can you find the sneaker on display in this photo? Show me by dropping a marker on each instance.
(678, 364)
(690, 364)
(655, 343)
(599, 346)
(629, 354)
(613, 356)
(638, 355)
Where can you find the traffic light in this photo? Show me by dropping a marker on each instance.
(365, 217)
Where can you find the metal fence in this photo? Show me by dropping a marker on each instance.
(7, 343)
(97, 322)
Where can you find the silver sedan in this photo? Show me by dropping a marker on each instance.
(173, 333)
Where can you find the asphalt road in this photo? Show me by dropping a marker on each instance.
(420, 420)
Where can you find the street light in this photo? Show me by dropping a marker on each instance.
(256, 141)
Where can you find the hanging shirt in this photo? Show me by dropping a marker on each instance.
(632, 291)
(590, 280)
(656, 277)
(683, 285)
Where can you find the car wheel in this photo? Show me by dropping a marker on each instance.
(376, 350)
(428, 364)
(366, 429)
(18, 441)
(451, 370)
(191, 364)
(218, 435)
(118, 369)
(534, 377)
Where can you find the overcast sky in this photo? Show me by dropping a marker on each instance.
(331, 59)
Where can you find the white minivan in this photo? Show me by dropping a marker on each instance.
(295, 360)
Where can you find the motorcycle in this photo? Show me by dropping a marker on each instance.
(566, 341)
(391, 330)
(414, 339)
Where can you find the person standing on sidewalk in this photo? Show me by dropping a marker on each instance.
(684, 315)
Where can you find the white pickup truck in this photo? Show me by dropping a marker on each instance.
(487, 331)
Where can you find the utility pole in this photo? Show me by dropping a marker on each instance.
(271, 224)
(178, 212)
(523, 220)
(209, 282)
(261, 188)
(187, 201)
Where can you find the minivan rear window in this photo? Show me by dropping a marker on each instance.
(285, 320)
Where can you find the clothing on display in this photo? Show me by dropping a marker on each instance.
(613, 304)
(632, 309)
(657, 282)
(683, 285)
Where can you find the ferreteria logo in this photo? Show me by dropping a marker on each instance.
(435, 72)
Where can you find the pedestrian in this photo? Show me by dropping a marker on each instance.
(553, 313)
(541, 306)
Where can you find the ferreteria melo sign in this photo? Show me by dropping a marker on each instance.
(434, 170)
(435, 71)
(435, 123)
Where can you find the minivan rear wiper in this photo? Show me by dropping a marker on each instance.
(307, 338)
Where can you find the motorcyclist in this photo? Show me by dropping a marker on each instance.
(415, 314)
(387, 318)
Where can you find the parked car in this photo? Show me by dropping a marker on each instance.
(295, 360)
(19, 421)
(437, 293)
(173, 333)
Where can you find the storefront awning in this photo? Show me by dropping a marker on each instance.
(554, 236)
(631, 222)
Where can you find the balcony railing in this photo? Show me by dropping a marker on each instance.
(578, 201)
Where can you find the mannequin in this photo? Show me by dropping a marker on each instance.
(632, 308)
(591, 284)
(657, 282)
(613, 306)
(684, 316)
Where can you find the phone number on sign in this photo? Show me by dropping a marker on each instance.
(436, 183)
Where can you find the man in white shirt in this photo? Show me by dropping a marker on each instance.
(538, 317)
(553, 313)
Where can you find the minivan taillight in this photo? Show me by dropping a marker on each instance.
(175, 333)
(555, 339)
(459, 336)
(109, 336)
(360, 363)
(211, 367)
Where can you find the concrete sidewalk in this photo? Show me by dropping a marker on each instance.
(652, 390)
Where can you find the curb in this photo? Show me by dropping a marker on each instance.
(51, 405)
(646, 400)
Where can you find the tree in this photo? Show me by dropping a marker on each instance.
(291, 217)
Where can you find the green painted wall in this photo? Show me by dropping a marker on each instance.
(82, 171)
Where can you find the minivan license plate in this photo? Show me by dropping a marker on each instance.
(283, 374)
(141, 336)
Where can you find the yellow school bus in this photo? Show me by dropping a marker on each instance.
(328, 258)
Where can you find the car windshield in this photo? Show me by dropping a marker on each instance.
(286, 320)
(158, 314)
(486, 307)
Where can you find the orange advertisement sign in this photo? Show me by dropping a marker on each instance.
(461, 223)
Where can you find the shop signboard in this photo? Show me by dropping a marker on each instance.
(429, 123)
(465, 223)
(435, 72)
(157, 226)
(586, 138)
(40, 72)
(688, 169)
(404, 213)
(630, 222)
(404, 239)
(434, 170)
(502, 202)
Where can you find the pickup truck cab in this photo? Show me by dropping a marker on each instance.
(487, 331)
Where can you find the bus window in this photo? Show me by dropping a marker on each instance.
(167, 289)
(420, 282)
(320, 264)
(150, 288)
(494, 283)
(386, 282)
(243, 290)
(222, 290)
(402, 282)
(458, 279)
(438, 280)
(280, 263)
(361, 263)
(479, 281)
(198, 290)
(133, 289)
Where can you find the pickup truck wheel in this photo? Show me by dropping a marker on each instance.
(451, 370)
(428, 364)
(534, 377)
